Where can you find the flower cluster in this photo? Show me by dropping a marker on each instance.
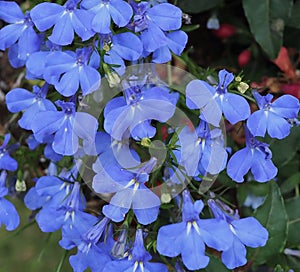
(154, 143)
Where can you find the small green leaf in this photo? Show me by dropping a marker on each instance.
(196, 6)
(293, 211)
(272, 215)
(267, 19)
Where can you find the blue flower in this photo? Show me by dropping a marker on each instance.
(213, 101)
(138, 259)
(272, 117)
(246, 232)
(8, 214)
(20, 29)
(67, 126)
(189, 237)
(20, 99)
(140, 104)
(89, 252)
(152, 22)
(66, 19)
(202, 149)
(68, 70)
(105, 10)
(255, 156)
(130, 191)
(6, 161)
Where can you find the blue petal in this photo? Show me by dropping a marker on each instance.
(113, 58)
(8, 215)
(101, 21)
(127, 45)
(235, 108)
(277, 126)
(69, 83)
(166, 16)
(115, 213)
(286, 106)
(193, 251)
(257, 123)
(216, 233)
(81, 22)
(50, 219)
(121, 12)
(52, 121)
(35, 63)
(85, 126)
(29, 42)
(13, 58)
(45, 15)
(9, 35)
(235, 256)
(117, 266)
(33, 200)
(143, 130)
(250, 232)
(89, 78)
(216, 158)
(177, 41)
(63, 32)
(161, 55)
(199, 96)
(48, 186)
(262, 169)
(170, 239)
(19, 99)
(10, 12)
(146, 216)
(8, 163)
(155, 267)
(239, 164)
(65, 141)
(153, 38)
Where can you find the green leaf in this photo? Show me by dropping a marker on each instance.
(293, 211)
(272, 215)
(196, 6)
(267, 19)
(284, 150)
(290, 184)
(294, 20)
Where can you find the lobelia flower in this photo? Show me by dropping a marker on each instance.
(272, 117)
(138, 259)
(139, 105)
(202, 149)
(8, 213)
(176, 42)
(246, 232)
(68, 71)
(20, 30)
(105, 10)
(67, 126)
(20, 99)
(130, 191)
(120, 47)
(213, 101)
(90, 249)
(189, 237)
(6, 161)
(66, 19)
(152, 22)
(255, 156)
